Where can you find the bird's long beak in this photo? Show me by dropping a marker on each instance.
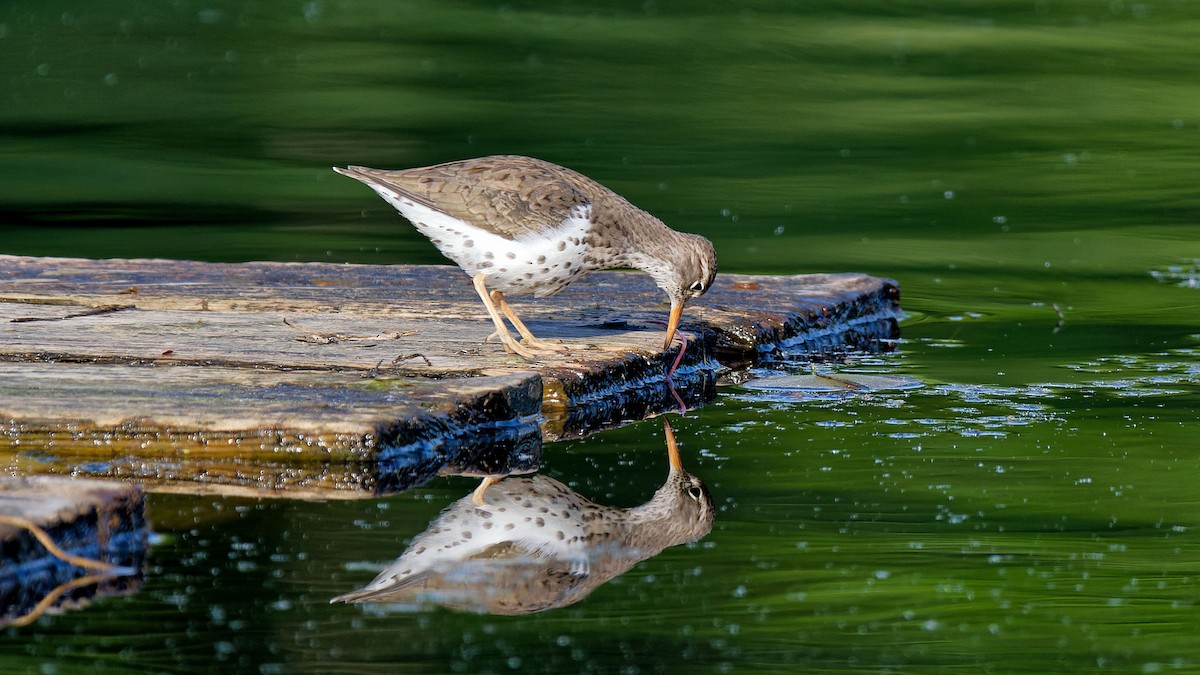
(673, 322)
(672, 447)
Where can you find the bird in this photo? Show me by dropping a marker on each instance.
(538, 545)
(519, 225)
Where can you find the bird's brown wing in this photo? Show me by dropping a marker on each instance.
(506, 578)
(395, 592)
(508, 196)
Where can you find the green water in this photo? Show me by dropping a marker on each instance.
(1026, 170)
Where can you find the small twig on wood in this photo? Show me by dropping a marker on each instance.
(44, 538)
(103, 309)
(317, 337)
(406, 357)
(374, 372)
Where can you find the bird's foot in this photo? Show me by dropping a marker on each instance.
(525, 347)
(477, 495)
(550, 346)
(513, 347)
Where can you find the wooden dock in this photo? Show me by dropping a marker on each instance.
(325, 381)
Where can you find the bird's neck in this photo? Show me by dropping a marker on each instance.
(655, 250)
(651, 524)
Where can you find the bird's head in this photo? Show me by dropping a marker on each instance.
(692, 268)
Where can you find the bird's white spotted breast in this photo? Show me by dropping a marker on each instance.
(533, 513)
(541, 263)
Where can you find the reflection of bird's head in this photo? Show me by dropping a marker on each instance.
(693, 505)
(683, 505)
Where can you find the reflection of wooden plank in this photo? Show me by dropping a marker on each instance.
(96, 520)
(319, 378)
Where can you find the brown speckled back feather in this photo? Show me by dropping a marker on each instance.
(505, 195)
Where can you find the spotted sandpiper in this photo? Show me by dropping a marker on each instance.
(520, 225)
(538, 544)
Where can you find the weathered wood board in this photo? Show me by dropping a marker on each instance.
(298, 433)
(185, 375)
(101, 521)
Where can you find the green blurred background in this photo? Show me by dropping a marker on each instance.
(1026, 170)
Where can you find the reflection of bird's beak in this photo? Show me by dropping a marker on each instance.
(672, 447)
(673, 322)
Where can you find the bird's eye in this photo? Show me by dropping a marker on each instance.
(695, 493)
(698, 287)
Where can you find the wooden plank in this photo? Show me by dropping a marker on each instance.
(304, 432)
(91, 520)
(613, 312)
(331, 380)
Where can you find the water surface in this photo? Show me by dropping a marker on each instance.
(1025, 170)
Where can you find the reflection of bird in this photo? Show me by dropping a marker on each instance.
(520, 225)
(537, 544)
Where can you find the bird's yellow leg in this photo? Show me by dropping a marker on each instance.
(511, 345)
(477, 495)
(530, 340)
